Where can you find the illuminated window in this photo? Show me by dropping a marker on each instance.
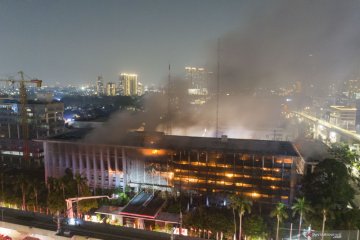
(229, 175)
(288, 161)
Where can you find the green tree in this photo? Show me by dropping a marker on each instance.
(206, 218)
(302, 208)
(55, 201)
(242, 205)
(329, 180)
(349, 219)
(255, 228)
(280, 213)
(342, 153)
(196, 219)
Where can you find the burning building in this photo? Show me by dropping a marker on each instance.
(263, 170)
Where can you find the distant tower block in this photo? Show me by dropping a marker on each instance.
(100, 86)
(129, 84)
(111, 89)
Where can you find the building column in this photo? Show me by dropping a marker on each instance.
(46, 160)
(141, 224)
(116, 167)
(9, 130)
(18, 131)
(88, 168)
(95, 170)
(121, 220)
(73, 160)
(67, 160)
(109, 171)
(292, 180)
(124, 168)
(102, 169)
(81, 162)
(51, 160)
(62, 160)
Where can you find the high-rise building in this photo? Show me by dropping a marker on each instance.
(111, 89)
(100, 86)
(128, 84)
(140, 89)
(352, 88)
(197, 79)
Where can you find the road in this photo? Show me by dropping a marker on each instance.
(87, 229)
(326, 124)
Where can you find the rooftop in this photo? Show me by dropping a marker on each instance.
(159, 140)
(343, 108)
(144, 205)
(312, 150)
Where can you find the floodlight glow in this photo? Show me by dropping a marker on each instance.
(72, 221)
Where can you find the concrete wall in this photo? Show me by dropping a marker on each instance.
(19, 232)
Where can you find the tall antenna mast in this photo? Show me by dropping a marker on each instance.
(169, 123)
(217, 88)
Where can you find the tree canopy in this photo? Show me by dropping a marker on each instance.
(329, 180)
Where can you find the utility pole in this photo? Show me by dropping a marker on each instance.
(217, 89)
(169, 95)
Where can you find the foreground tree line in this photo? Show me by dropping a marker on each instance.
(26, 189)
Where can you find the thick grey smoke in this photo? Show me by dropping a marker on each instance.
(279, 42)
(312, 41)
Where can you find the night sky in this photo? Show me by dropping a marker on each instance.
(271, 43)
(74, 41)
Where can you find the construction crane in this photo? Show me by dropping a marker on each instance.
(23, 113)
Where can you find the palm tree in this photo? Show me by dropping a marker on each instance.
(242, 205)
(33, 185)
(80, 183)
(233, 210)
(22, 183)
(54, 200)
(280, 213)
(302, 207)
(326, 210)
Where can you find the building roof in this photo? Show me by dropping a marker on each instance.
(159, 140)
(161, 216)
(343, 108)
(112, 210)
(312, 150)
(144, 205)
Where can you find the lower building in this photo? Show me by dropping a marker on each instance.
(44, 118)
(344, 117)
(266, 171)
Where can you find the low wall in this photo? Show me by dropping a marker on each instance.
(19, 232)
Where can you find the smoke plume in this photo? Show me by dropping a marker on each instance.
(278, 43)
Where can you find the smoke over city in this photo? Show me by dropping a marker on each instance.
(314, 43)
